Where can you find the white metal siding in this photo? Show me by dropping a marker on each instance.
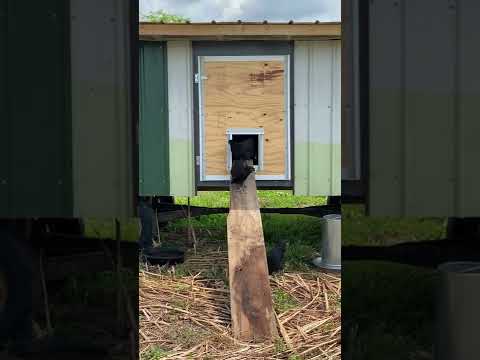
(424, 93)
(180, 112)
(101, 113)
(317, 117)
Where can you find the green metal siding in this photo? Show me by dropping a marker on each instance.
(37, 124)
(101, 58)
(153, 127)
(4, 132)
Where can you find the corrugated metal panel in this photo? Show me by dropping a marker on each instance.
(4, 122)
(101, 113)
(153, 134)
(317, 118)
(351, 166)
(36, 172)
(180, 115)
(422, 100)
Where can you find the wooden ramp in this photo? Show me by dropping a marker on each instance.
(251, 304)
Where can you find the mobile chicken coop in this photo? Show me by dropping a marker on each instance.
(202, 84)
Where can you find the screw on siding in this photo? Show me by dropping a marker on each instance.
(4, 182)
(60, 182)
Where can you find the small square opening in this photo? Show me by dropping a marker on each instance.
(251, 141)
(244, 139)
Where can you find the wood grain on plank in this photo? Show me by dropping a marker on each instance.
(153, 31)
(244, 94)
(251, 302)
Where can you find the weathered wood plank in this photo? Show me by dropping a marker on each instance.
(253, 318)
(155, 31)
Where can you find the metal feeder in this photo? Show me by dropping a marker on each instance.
(457, 313)
(331, 258)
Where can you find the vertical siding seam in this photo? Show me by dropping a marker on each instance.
(403, 101)
(116, 145)
(457, 120)
(310, 53)
(190, 118)
(9, 207)
(166, 113)
(332, 89)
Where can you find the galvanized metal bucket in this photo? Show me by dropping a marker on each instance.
(458, 312)
(331, 258)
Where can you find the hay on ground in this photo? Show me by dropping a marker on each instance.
(189, 317)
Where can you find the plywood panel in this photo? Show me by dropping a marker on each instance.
(244, 94)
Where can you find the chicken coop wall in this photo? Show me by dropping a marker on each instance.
(311, 134)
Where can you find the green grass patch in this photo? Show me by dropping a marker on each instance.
(155, 353)
(283, 301)
(105, 228)
(266, 199)
(360, 230)
(301, 233)
(279, 345)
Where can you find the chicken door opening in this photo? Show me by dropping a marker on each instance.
(245, 147)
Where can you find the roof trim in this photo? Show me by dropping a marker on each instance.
(239, 30)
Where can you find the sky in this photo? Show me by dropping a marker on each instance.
(247, 10)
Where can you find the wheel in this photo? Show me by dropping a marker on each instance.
(15, 286)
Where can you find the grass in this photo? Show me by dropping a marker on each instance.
(155, 353)
(105, 228)
(387, 308)
(266, 198)
(302, 233)
(360, 230)
(283, 301)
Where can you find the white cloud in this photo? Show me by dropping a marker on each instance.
(247, 10)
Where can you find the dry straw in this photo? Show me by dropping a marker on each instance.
(189, 317)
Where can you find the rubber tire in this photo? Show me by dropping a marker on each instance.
(16, 264)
